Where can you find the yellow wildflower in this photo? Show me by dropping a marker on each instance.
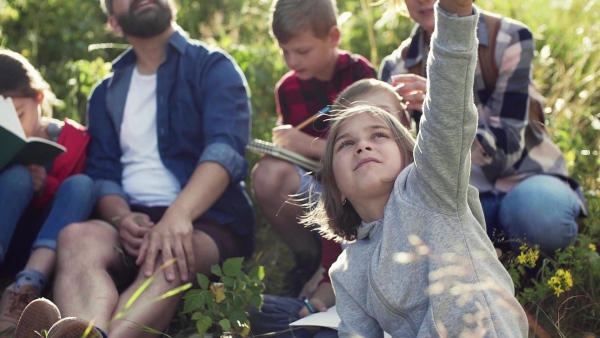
(592, 246)
(522, 258)
(562, 278)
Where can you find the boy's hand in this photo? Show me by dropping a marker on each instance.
(412, 88)
(132, 229)
(317, 304)
(459, 7)
(286, 136)
(38, 176)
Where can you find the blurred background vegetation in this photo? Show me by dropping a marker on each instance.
(72, 46)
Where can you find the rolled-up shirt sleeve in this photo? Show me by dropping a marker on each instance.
(226, 117)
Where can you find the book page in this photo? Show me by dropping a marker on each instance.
(9, 118)
(329, 319)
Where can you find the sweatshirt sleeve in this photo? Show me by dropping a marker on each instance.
(355, 322)
(442, 153)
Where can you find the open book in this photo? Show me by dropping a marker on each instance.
(16, 147)
(268, 148)
(329, 319)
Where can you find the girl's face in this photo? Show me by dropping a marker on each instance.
(421, 11)
(29, 112)
(366, 158)
(386, 101)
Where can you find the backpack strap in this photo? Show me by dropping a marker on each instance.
(487, 60)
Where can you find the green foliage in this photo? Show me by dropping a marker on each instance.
(68, 41)
(220, 307)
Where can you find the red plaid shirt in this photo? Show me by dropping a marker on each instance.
(297, 99)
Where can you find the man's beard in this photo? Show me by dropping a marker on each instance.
(147, 23)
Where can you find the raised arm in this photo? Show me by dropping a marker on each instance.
(442, 153)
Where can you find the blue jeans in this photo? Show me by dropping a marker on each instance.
(276, 315)
(541, 209)
(73, 202)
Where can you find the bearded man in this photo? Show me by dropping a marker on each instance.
(168, 132)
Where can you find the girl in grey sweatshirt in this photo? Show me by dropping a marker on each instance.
(422, 264)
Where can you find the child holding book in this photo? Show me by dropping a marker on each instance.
(35, 198)
(308, 36)
(422, 264)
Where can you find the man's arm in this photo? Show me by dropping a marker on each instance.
(206, 185)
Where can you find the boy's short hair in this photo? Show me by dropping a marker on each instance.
(291, 17)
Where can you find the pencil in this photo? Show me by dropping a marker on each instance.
(313, 118)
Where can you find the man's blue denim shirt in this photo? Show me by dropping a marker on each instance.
(203, 115)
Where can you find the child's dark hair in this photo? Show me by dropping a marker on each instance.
(291, 17)
(351, 95)
(336, 219)
(18, 78)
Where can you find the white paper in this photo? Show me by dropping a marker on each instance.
(329, 319)
(9, 118)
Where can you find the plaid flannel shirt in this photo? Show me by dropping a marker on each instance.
(512, 148)
(298, 99)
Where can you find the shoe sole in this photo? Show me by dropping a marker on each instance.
(72, 327)
(38, 315)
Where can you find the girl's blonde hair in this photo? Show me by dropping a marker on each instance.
(348, 97)
(20, 78)
(335, 219)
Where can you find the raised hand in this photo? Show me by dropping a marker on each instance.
(459, 7)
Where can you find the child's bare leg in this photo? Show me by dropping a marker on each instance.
(87, 261)
(274, 181)
(159, 314)
(43, 260)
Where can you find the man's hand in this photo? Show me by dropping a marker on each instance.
(412, 88)
(38, 176)
(172, 237)
(132, 229)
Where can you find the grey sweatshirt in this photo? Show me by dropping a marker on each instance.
(428, 269)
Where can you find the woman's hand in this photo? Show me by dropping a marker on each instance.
(38, 176)
(317, 304)
(412, 88)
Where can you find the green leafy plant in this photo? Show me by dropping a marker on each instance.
(220, 308)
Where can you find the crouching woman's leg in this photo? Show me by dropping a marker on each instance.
(541, 210)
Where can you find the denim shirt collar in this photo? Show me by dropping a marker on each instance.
(123, 66)
(417, 43)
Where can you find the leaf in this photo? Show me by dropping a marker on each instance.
(256, 301)
(232, 266)
(225, 325)
(203, 281)
(257, 272)
(238, 316)
(203, 324)
(218, 291)
(192, 301)
(228, 281)
(216, 270)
